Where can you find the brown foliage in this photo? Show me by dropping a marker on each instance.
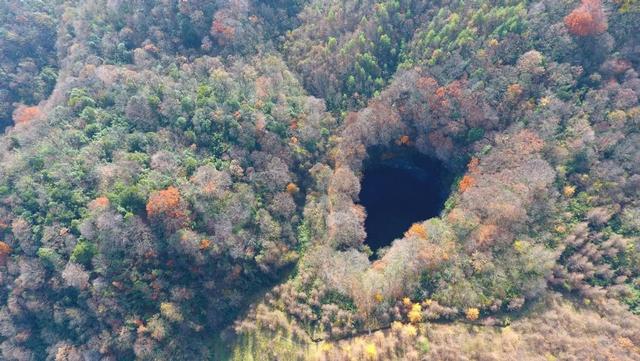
(587, 19)
(211, 183)
(485, 235)
(528, 142)
(514, 91)
(473, 165)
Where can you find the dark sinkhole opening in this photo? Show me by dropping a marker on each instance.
(400, 186)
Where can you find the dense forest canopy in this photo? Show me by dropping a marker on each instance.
(181, 179)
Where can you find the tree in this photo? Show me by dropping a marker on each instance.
(23, 115)
(74, 275)
(140, 113)
(346, 228)
(417, 230)
(83, 252)
(223, 32)
(5, 250)
(466, 183)
(168, 208)
(211, 183)
(171, 312)
(587, 19)
(472, 314)
(344, 181)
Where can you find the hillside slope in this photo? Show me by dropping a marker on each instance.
(179, 180)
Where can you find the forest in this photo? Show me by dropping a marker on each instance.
(325, 180)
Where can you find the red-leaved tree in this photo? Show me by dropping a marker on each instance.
(587, 19)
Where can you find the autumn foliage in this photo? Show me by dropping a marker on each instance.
(168, 207)
(292, 188)
(472, 314)
(5, 250)
(417, 230)
(99, 203)
(587, 19)
(466, 183)
(221, 30)
(404, 140)
(485, 235)
(26, 114)
(266, 118)
(204, 244)
(473, 165)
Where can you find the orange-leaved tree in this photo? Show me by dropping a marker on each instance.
(466, 183)
(168, 209)
(25, 114)
(587, 19)
(417, 230)
(5, 250)
(99, 203)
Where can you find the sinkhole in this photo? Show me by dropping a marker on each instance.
(400, 187)
(4, 124)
